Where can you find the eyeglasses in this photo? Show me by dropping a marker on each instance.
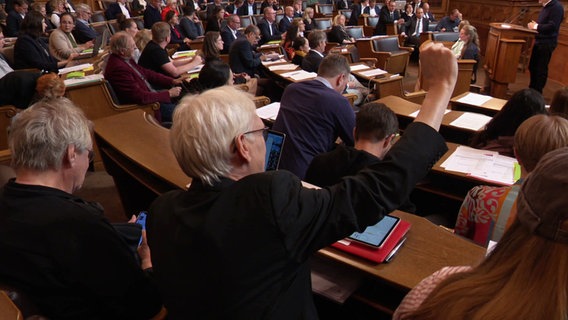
(264, 132)
(91, 155)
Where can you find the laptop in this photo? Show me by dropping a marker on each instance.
(99, 42)
(274, 144)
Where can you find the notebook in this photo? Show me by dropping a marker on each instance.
(376, 255)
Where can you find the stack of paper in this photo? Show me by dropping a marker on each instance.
(474, 99)
(300, 75)
(373, 72)
(359, 67)
(483, 164)
(470, 120)
(184, 54)
(269, 111)
(76, 68)
(287, 66)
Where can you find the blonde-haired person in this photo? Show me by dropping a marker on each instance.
(309, 19)
(141, 39)
(58, 9)
(525, 276)
(487, 211)
(338, 33)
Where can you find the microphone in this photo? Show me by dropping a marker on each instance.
(516, 16)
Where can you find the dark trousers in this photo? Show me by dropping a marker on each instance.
(17, 88)
(538, 66)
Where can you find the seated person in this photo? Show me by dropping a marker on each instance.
(116, 9)
(230, 32)
(215, 21)
(499, 131)
(338, 33)
(531, 257)
(242, 56)
(83, 31)
(467, 47)
(49, 86)
(188, 24)
(487, 211)
(131, 27)
(301, 48)
(16, 87)
(376, 128)
(135, 84)
(215, 73)
(269, 28)
(313, 114)
(63, 253)
(152, 13)
(15, 17)
(317, 40)
(155, 56)
(176, 37)
(61, 41)
(236, 244)
(32, 51)
(413, 28)
(450, 23)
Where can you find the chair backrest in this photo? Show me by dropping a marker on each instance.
(113, 26)
(323, 23)
(257, 18)
(355, 32)
(445, 36)
(98, 16)
(8, 309)
(325, 9)
(102, 5)
(100, 27)
(8, 52)
(386, 44)
(371, 21)
(6, 115)
(246, 21)
(432, 26)
(279, 17)
(346, 13)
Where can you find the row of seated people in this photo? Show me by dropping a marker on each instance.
(201, 239)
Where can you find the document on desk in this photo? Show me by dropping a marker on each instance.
(196, 68)
(287, 66)
(472, 121)
(373, 72)
(474, 99)
(415, 113)
(482, 164)
(85, 79)
(184, 54)
(267, 63)
(300, 75)
(359, 67)
(75, 68)
(269, 111)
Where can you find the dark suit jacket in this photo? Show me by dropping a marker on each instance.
(239, 249)
(83, 32)
(113, 11)
(340, 4)
(13, 21)
(410, 26)
(228, 39)
(265, 32)
(231, 8)
(33, 53)
(311, 61)
(355, 12)
(284, 24)
(189, 28)
(384, 19)
(337, 34)
(151, 16)
(210, 8)
(430, 16)
(244, 10)
(242, 58)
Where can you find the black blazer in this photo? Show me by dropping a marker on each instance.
(355, 12)
(410, 25)
(265, 32)
(13, 22)
(384, 19)
(311, 61)
(244, 10)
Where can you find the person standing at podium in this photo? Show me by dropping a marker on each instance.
(547, 26)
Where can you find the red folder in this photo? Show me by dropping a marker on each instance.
(373, 254)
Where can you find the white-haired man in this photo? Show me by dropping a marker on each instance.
(236, 244)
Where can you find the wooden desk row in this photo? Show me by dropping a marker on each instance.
(137, 154)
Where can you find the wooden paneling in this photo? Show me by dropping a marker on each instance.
(482, 12)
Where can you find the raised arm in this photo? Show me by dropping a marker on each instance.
(440, 67)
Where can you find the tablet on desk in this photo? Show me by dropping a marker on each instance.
(274, 144)
(376, 235)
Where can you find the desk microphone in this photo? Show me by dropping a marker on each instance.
(518, 15)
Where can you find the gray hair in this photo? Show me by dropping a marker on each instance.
(204, 130)
(82, 7)
(118, 42)
(40, 135)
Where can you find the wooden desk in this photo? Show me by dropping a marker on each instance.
(489, 108)
(427, 249)
(136, 152)
(404, 108)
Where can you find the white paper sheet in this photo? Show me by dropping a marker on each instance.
(359, 67)
(300, 75)
(415, 113)
(267, 63)
(269, 111)
(373, 72)
(482, 164)
(474, 99)
(470, 120)
(287, 66)
(185, 54)
(76, 81)
(75, 68)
